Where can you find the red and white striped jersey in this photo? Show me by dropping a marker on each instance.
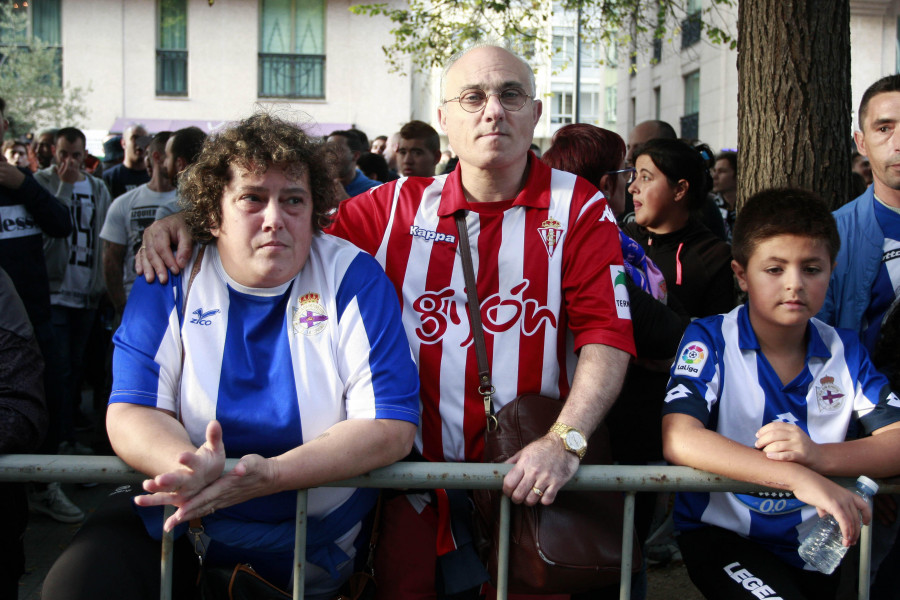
(550, 280)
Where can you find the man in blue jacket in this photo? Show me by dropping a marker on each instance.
(866, 280)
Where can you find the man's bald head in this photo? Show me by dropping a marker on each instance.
(644, 132)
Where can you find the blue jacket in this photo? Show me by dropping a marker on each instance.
(857, 264)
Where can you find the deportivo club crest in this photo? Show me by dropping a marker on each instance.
(552, 233)
(829, 395)
(309, 317)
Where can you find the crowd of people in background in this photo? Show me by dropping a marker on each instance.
(75, 240)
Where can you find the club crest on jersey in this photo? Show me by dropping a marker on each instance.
(310, 317)
(692, 359)
(551, 232)
(829, 395)
(204, 318)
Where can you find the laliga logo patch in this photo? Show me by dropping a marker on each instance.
(692, 359)
(829, 395)
(551, 232)
(310, 318)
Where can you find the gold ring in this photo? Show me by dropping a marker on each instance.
(537, 491)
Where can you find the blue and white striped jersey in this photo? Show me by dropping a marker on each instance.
(276, 366)
(721, 378)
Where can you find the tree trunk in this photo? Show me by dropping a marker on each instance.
(794, 97)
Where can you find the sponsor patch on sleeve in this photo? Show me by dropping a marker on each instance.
(691, 360)
(623, 303)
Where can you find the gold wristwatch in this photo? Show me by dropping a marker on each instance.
(572, 438)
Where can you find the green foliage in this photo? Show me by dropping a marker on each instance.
(427, 32)
(30, 76)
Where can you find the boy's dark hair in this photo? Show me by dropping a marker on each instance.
(783, 211)
(420, 130)
(731, 157)
(2, 107)
(187, 143)
(71, 134)
(254, 144)
(374, 164)
(354, 142)
(891, 83)
(676, 160)
(158, 143)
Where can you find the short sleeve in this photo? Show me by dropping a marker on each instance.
(373, 353)
(695, 378)
(147, 347)
(115, 228)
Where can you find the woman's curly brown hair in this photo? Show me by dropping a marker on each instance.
(254, 144)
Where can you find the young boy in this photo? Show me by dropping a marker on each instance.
(766, 394)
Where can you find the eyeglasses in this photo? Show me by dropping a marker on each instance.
(474, 100)
(632, 173)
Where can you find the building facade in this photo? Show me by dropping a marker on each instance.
(692, 83)
(171, 63)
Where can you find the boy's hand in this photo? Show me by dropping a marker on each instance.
(787, 442)
(830, 498)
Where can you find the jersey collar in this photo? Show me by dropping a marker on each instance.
(747, 337)
(535, 194)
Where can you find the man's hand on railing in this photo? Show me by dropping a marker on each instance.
(199, 470)
(541, 469)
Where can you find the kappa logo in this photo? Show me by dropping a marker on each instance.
(431, 236)
(608, 215)
(310, 317)
(829, 396)
(551, 231)
(204, 318)
(692, 359)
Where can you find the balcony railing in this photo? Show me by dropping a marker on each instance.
(171, 72)
(690, 126)
(690, 30)
(291, 76)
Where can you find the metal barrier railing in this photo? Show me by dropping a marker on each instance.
(420, 475)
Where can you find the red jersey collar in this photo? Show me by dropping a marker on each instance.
(535, 194)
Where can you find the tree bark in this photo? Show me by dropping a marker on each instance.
(794, 97)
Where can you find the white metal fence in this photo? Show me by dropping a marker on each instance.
(420, 475)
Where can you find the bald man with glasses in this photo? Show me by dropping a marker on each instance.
(545, 250)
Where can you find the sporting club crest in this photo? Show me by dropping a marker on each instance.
(552, 233)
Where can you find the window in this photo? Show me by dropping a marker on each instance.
(590, 110)
(657, 101)
(611, 103)
(40, 21)
(171, 48)
(292, 49)
(691, 119)
(563, 51)
(691, 25)
(563, 111)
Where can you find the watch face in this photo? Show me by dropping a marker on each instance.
(575, 440)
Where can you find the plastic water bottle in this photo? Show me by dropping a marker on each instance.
(823, 548)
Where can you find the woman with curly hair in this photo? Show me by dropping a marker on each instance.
(278, 345)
